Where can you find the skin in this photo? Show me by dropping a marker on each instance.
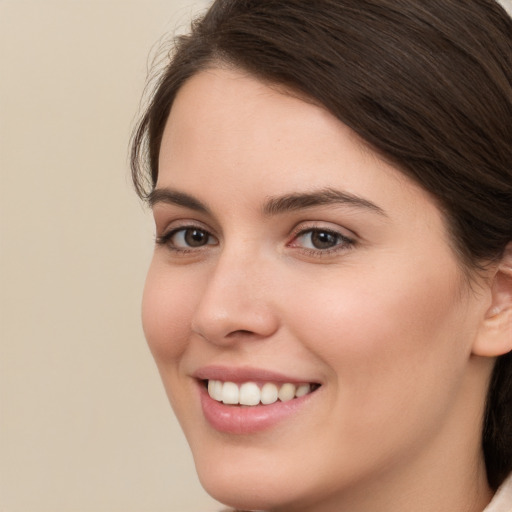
(386, 323)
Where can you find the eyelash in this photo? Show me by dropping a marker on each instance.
(166, 239)
(343, 243)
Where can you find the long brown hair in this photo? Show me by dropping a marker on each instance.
(426, 84)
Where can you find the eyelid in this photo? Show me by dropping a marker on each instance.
(182, 225)
(346, 241)
(166, 215)
(329, 227)
(164, 228)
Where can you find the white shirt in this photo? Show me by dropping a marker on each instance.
(502, 501)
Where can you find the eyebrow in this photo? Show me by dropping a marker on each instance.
(326, 196)
(273, 205)
(170, 196)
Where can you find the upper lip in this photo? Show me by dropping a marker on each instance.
(245, 374)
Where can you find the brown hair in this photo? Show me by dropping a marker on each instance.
(428, 85)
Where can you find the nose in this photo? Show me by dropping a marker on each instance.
(236, 303)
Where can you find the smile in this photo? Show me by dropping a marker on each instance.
(245, 400)
(252, 394)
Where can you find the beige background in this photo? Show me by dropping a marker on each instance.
(84, 423)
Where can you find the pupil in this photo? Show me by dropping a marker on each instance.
(195, 237)
(323, 240)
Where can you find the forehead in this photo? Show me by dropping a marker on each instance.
(228, 102)
(229, 133)
(229, 116)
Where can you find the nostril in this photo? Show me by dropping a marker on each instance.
(243, 332)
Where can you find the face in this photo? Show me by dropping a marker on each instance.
(290, 260)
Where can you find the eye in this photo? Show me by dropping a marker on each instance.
(321, 240)
(187, 238)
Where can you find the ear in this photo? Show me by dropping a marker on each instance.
(495, 334)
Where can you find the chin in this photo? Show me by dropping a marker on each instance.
(251, 478)
(246, 483)
(243, 493)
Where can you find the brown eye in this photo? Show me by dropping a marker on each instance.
(190, 238)
(195, 237)
(323, 239)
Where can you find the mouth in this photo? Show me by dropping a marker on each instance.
(251, 394)
(246, 400)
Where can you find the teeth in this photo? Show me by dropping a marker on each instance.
(217, 390)
(230, 393)
(249, 393)
(302, 390)
(269, 393)
(286, 392)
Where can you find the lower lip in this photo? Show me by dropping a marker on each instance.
(233, 419)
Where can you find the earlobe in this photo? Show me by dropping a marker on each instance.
(495, 333)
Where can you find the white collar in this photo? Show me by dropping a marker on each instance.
(502, 501)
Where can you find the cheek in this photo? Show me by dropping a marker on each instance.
(167, 307)
(395, 347)
(389, 335)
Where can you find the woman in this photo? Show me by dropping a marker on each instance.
(330, 298)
